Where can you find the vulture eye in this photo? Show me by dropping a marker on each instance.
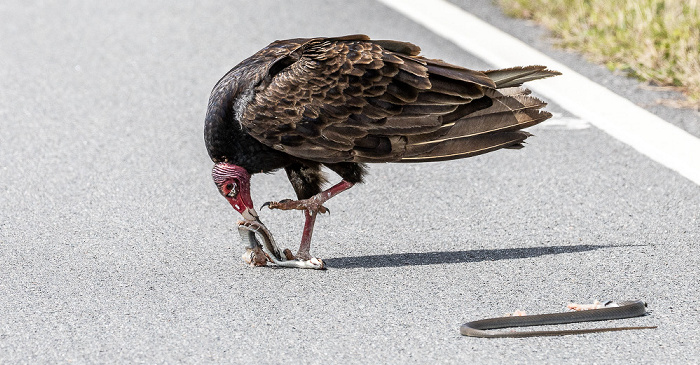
(232, 190)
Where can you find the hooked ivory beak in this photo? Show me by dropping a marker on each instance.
(250, 214)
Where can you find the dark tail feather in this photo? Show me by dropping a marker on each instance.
(484, 130)
(516, 76)
(457, 113)
(465, 147)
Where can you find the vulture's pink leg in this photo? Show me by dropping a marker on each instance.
(311, 207)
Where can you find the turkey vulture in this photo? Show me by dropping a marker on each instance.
(342, 102)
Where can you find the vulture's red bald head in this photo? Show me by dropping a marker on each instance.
(234, 184)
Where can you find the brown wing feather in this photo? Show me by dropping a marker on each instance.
(349, 99)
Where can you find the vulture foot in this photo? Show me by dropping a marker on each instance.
(313, 204)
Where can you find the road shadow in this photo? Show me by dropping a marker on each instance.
(452, 257)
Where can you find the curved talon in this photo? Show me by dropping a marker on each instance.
(278, 205)
(275, 205)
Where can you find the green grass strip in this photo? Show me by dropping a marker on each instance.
(653, 40)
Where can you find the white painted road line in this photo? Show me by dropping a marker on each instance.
(557, 121)
(619, 117)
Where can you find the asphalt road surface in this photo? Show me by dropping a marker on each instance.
(115, 246)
